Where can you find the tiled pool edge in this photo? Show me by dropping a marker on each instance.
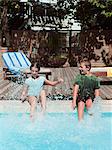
(52, 106)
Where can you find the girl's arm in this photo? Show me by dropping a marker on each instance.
(53, 83)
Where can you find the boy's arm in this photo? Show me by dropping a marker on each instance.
(75, 92)
(97, 88)
(53, 83)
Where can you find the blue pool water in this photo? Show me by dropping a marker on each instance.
(55, 131)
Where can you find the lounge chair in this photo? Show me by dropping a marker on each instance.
(15, 63)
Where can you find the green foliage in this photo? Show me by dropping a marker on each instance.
(56, 61)
(105, 5)
(87, 12)
(94, 14)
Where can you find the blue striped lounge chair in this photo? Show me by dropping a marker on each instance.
(15, 63)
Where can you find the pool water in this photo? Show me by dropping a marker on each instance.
(55, 131)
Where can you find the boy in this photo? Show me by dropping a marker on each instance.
(34, 88)
(86, 88)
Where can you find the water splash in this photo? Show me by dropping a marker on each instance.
(95, 110)
(54, 131)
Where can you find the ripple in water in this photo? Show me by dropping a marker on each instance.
(54, 131)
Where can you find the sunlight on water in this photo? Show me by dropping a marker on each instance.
(54, 131)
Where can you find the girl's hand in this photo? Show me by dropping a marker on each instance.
(60, 80)
(23, 98)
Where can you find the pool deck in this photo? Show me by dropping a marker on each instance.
(8, 88)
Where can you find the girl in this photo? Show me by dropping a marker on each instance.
(34, 88)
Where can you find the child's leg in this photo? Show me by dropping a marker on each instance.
(43, 99)
(81, 106)
(32, 101)
(89, 105)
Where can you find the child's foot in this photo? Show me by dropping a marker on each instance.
(43, 112)
(90, 112)
(32, 118)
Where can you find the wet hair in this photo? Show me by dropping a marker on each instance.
(36, 65)
(86, 62)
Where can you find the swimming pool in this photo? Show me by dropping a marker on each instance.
(55, 131)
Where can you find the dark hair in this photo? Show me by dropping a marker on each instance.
(36, 65)
(86, 62)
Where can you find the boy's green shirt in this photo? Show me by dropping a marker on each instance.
(87, 84)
